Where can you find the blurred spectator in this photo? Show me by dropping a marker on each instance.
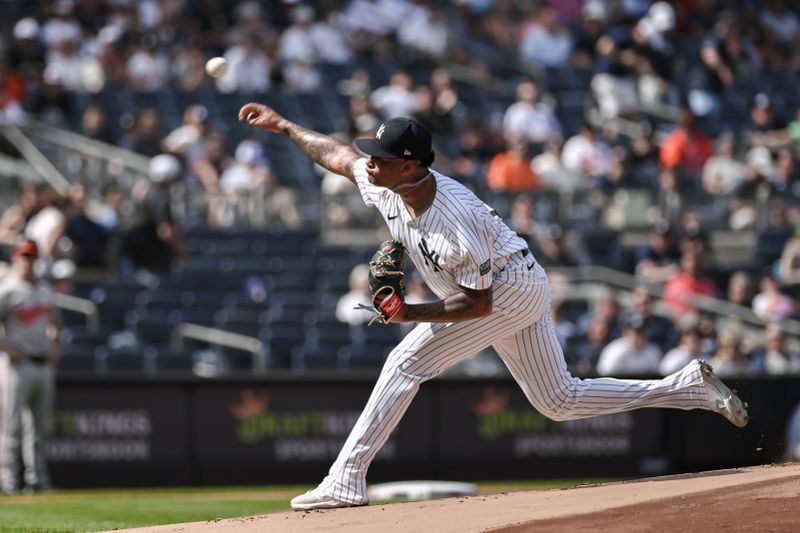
(776, 358)
(547, 165)
(301, 76)
(660, 259)
(330, 39)
(47, 226)
(587, 155)
(550, 250)
(188, 69)
(690, 281)
(771, 303)
(395, 99)
(249, 67)
(688, 349)
(430, 114)
(564, 326)
(151, 239)
(740, 289)
(296, 42)
(145, 137)
(529, 117)
(786, 178)
(522, 219)
(608, 309)
(729, 358)
(89, 239)
(686, 149)
(252, 194)
(62, 276)
(187, 139)
(662, 330)
(763, 118)
(359, 294)
(670, 203)
(475, 148)
(544, 41)
(16, 216)
(789, 265)
(723, 172)
(26, 52)
(778, 20)
(707, 327)
(510, 171)
(725, 55)
(147, 67)
(93, 124)
(588, 353)
(425, 30)
(743, 205)
(51, 103)
(363, 118)
(592, 19)
(108, 211)
(12, 93)
(208, 166)
(63, 25)
(631, 354)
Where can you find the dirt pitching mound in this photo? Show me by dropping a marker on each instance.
(742, 499)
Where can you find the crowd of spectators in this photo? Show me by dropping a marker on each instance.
(705, 89)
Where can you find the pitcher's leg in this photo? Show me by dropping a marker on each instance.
(536, 361)
(424, 353)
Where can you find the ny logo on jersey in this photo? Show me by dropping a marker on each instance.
(431, 257)
(380, 131)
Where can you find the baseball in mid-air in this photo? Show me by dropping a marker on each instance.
(216, 67)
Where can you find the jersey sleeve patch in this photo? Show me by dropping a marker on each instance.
(485, 267)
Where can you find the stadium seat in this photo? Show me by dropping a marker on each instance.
(77, 357)
(769, 245)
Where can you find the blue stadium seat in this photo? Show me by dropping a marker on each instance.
(77, 357)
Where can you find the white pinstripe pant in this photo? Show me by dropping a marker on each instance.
(527, 343)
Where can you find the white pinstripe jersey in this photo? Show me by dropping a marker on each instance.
(457, 241)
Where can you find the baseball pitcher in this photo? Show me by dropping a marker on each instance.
(491, 292)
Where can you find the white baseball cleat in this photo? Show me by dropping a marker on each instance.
(316, 499)
(721, 399)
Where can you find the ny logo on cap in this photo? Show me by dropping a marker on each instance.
(406, 152)
(380, 131)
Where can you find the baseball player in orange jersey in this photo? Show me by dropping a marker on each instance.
(27, 370)
(492, 293)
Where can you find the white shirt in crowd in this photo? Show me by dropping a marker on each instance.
(535, 122)
(620, 358)
(674, 360)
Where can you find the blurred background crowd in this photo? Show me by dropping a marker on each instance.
(657, 139)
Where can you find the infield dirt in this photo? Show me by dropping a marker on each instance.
(754, 499)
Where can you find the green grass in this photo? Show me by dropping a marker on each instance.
(74, 511)
(80, 511)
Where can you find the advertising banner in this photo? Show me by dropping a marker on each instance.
(495, 422)
(260, 424)
(98, 429)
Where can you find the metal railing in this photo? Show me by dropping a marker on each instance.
(34, 156)
(82, 306)
(622, 281)
(81, 158)
(221, 337)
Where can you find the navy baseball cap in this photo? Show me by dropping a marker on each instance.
(399, 137)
